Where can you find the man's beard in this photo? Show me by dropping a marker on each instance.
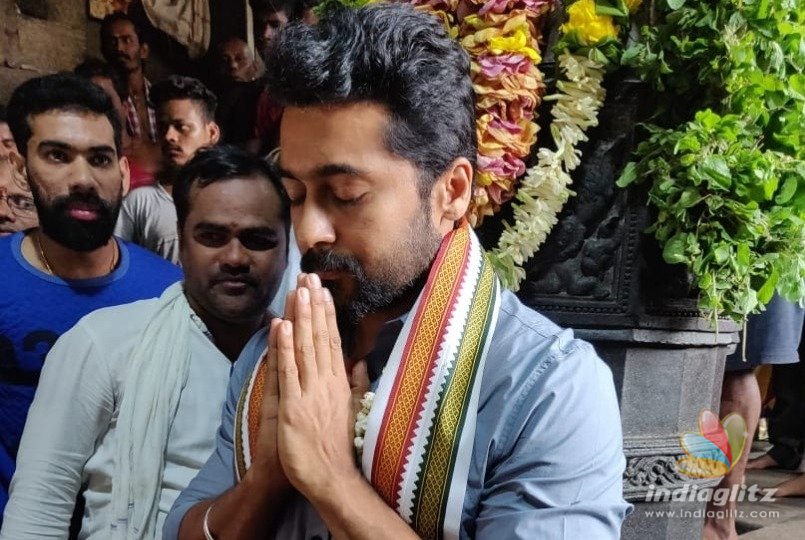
(396, 278)
(55, 221)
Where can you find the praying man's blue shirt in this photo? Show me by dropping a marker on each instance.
(547, 459)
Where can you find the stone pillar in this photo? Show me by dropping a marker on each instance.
(665, 377)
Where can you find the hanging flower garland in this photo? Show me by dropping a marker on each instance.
(545, 189)
(592, 37)
(501, 37)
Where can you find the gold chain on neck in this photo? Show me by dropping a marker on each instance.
(49, 267)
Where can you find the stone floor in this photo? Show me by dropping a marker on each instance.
(782, 519)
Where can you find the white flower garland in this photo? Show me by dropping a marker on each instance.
(362, 421)
(544, 189)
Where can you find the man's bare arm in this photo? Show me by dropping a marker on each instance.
(245, 512)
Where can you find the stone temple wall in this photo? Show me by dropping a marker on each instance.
(42, 36)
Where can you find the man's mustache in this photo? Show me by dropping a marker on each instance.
(92, 200)
(329, 261)
(238, 278)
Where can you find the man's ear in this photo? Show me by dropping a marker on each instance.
(451, 193)
(126, 172)
(144, 51)
(215, 132)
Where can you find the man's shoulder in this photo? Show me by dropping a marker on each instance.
(6, 240)
(146, 198)
(516, 317)
(143, 260)
(528, 350)
(109, 331)
(110, 321)
(247, 360)
(541, 383)
(523, 329)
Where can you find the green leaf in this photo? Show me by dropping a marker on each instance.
(674, 250)
(722, 254)
(716, 168)
(676, 4)
(787, 191)
(769, 187)
(628, 176)
(763, 9)
(598, 56)
(614, 8)
(632, 53)
(687, 144)
(688, 198)
(743, 255)
(746, 302)
(766, 292)
(796, 85)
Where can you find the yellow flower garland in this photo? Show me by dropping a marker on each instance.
(589, 26)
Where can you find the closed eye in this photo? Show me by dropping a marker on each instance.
(349, 202)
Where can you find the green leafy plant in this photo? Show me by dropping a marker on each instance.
(728, 182)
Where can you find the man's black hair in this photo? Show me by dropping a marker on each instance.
(225, 162)
(179, 87)
(120, 16)
(93, 67)
(59, 92)
(388, 54)
(3, 114)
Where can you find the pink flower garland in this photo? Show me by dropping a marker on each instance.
(502, 38)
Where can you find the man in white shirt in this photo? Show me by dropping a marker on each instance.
(130, 398)
(185, 110)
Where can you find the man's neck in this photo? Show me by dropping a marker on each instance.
(53, 258)
(135, 82)
(167, 177)
(230, 338)
(364, 335)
